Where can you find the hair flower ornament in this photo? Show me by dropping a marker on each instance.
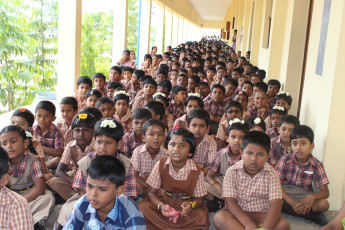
(82, 116)
(28, 134)
(193, 95)
(22, 110)
(257, 120)
(121, 92)
(281, 108)
(91, 92)
(159, 94)
(109, 123)
(236, 120)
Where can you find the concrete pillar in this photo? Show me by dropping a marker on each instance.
(144, 32)
(168, 27)
(256, 33)
(160, 28)
(69, 46)
(174, 35)
(180, 30)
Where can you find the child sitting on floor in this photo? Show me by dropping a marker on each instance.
(276, 115)
(252, 190)
(260, 108)
(150, 87)
(282, 99)
(106, 106)
(111, 87)
(103, 207)
(182, 205)
(272, 91)
(299, 172)
(168, 119)
(92, 97)
(84, 84)
(179, 95)
(122, 111)
(100, 83)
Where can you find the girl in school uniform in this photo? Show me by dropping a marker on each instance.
(177, 188)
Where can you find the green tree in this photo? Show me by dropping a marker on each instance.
(133, 25)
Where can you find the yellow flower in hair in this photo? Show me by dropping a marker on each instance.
(82, 116)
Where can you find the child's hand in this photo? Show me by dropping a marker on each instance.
(308, 203)
(197, 90)
(250, 226)
(165, 209)
(298, 208)
(186, 208)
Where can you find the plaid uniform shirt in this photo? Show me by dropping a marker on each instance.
(36, 168)
(129, 143)
(103, 91)
(213, 109)
(14, 211)
(124, 215)
(252, 194)
(68, 137)
(216, 163)
(81, 102)
(79, 180)
(221, 132)
(126, 120)
(72, 149)
(170, 120)
(140, 102)
(142, 160)
(155, 181)
(182, 122)
(272, 133)
(132, 92)
(67, 132)
(52, 138)
(273, 158)
(205, 151)
(175, 110)
(253, 111)
(290, 173)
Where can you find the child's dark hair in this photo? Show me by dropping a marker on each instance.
(165, 99)
(289, 119)
(98, 75)
(176, 89)
(230, 81)
(254, 121)
(166, 84)
(285, 97)
(202, 83)
(84, 80)
(114, 85)
(162, 71)
(26, 114)
(93, 111)
(116, 68)
(238, 70)
(242, 93)
(151, 122)
(237, 126)
(83, 119)
(104, 100)
(147, 56)
(121, 96)
(14, 128)
(195, 78)
(186, 136)
(144, 78)
(274, 82)
(3, 162)
(194, 98)
(156, 107)
(107, 168)
(115, 133)
(139, 73)
(127, 68)
(302, 131)
(257, 138)
(279, 110)
(233, 104)
(218, 86)
(261, 73)
(93, 92)
(151, 81)
(248, 83)
(46, 105)
(211, 68)
(70, 101)
(200, 114)
(262, 86)
(141, 113)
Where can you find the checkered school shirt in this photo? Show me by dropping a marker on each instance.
(216, 163)
(129, 143)
(103, 91)
(61, 125)
(139, 102)
(155, 181)
(170, 120)
(142, 160)
(253, 111)
(79, 180)
(68, 137)
(36, 168)
(124, 215)
(176, 111)
(221, 132)
(273, 158)
(182, 122)
(205, 151)
(252, 194)
(290, 173)
(72, 148)
(213, 109)
(52, 138)
(272, 133)
(126, 120)
(14, 211)
(81, 102)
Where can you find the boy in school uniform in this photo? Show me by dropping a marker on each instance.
(84, 84)
(252, 190)
(112, 87)
(106, 106)
(276, 115)
(48, 133)
(102, 207)
(299, 172)
(179, 95)
(133, 138)
(100, 83)
(260, 108)
(14, 209)
(115, 74)
(122, 110)
(150, 87)
(282, 99)
(272, 91)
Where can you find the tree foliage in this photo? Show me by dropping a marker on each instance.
(133, 25)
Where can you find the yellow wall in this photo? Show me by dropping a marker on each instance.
(213, 24)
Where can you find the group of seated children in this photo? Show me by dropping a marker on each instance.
(180, 143)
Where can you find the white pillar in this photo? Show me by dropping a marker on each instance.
(144, 32)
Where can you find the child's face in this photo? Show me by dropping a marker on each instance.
(135, 78)
(99, 83)
(302, 148)
(178, 149)
(154, 115)
(255, 79)
(232, 113)
(241, 80)
(127, 75)
(284, 132)
(82, 88)
(272, 90)
(160, 77)
(230, 89)
(204, 90)
(248, 89)
(235, 75)
(138, 125)
(257, 128)
(121, 107)
(147, 62)
(149, 89)
(154, 137)
(192, 104)
(235, 140)
(191, 85)
(260, 99)
(44, 118)
(107, 110)
(175, 67)
(20, 121)
(217, 95)
(67, 112)
(182, 81)
(83, 136)
(173, 76)
(283, 103)
(105, 145)
(91, 101)
(114, 76)
(202, 75)
(101, 194)
(220, 73)
(242, 99)
(254, 158)
(180, 96)
(110, 93)
(210, 73)
(14, 145)
(198, 127)
(275, 118)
